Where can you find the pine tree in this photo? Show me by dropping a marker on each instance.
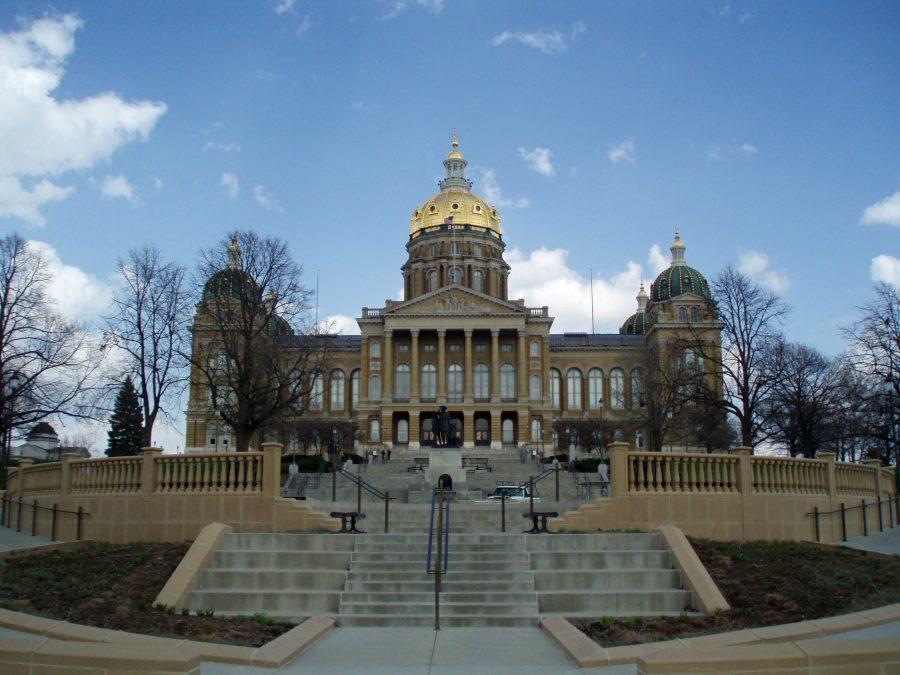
(126, 426)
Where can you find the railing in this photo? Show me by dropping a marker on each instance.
(7, 519)
(441, 534)
(42, 479)
(888, 480)
(682, 472)
(538, 311)
(360, 486)
(12, 480)
(893, 509)
(106, 476)
(855, 479)
(187, 474)
(788, 475)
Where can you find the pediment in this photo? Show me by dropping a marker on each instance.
(455, 301)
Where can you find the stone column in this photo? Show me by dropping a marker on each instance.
(468, 374)
(387, 369)
(65, 472)
(414, 367)
(495, 367)
(271, 468)
(524, 430)
(876, 468)
(523, 368)
(442, 367)
(744, 469)
(545, 367)
(148, 469)
(468, 429)
(618, 468)
(364, 370)
(496, 430)
(830, 482)
(415, 440)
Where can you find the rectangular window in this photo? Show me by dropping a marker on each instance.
(481, 347)
(428, 348)
(402, 347)
(506, 347)
(455, 348)
(476, 250)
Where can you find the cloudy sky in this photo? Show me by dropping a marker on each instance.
(769, 132)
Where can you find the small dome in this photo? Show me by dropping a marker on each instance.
(42, 429)
(234, 283)
(678, 280)
(635, 324)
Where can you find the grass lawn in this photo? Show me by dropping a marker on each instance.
(114, 586)
(768, 583)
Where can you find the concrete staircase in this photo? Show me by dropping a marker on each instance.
(493, 579)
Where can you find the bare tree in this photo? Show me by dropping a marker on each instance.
(804, 401)
(46, 362)
(751, 319)
(148, 323)
(255, 349)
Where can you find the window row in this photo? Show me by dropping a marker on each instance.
(481, 382)
(619, 397)
(456, 277)
(683, 314)
(480, 347)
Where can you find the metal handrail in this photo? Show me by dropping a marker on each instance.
(368, 487)
(877, 502)
(6, 521)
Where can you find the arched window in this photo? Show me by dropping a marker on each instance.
(481, 381)
(617, 388)
(402, 432)
(429, 381)
(212, 433)
(482, 430)
(534, 387)
(374, 387)
(638, 390)
(337, 390)
(535, 349)
(595, 389)
(374, 430)
(682, 315)
(401, 381)
(316, 393)
(639, 438)
(573, 389)
(537, 431)
(375, 350)
(455, 383)
(354, 390)
(555, 388)
(432, 280)
(509, 431)
(455, 276)
(507, 381)
(478, 281)
(695, 314)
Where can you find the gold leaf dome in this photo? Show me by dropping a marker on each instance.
(455, 204)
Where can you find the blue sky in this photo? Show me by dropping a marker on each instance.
(765, 130)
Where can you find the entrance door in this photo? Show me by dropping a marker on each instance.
(482, 429)
(427, 436)
(509, 431)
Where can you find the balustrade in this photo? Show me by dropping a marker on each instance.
(111, 475)
(855, 479)
(191, 474)
(788, 475)
(682, 473)
(42, 479)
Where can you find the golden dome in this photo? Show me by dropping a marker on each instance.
(455, 204)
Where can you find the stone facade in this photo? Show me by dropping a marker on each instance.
(457, 340)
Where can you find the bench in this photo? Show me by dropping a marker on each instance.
(477, 464)
(352, 516)
(419, 464)
(542, 516)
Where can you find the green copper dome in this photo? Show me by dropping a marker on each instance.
(678, 280)
(635, 324)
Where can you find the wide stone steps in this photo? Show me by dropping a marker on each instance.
(427, 620)
(568, 560)
(601, 580)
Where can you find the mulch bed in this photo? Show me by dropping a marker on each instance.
(769, 583)
(114, 586)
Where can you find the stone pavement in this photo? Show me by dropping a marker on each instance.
(879, 542)
(11, 540)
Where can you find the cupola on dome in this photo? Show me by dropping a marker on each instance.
(455, 204)
(679, 278)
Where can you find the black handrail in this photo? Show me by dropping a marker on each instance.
(368, 487)
(842, 509)
(8, 501)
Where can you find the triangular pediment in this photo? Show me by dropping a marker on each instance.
(454, 301)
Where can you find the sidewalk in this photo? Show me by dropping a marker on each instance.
(878, 542)
(11, 540)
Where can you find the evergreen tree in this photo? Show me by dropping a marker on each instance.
(126, 426)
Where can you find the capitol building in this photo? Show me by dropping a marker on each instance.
(457, 339)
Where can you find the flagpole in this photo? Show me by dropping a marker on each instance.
(592, 301)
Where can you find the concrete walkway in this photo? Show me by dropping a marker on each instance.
(422, 651)
(879, 542)
(11, 540)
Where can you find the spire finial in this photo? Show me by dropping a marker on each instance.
(234, 253)
(455, 139)
(677, 249)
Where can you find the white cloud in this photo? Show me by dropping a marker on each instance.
(715, 155)
(490, 189)
(117, 187)
(885, 212)
(18, 202)
(657, 261)
(543, 277)
(749, 149)
(76, 295)
(746, 16)
(622, 152)
(158, 183)
(755, 264)
(546, 42)
(45, 136)
(305, 25)
(266, 199)
(222, 147)
(230, 182)
(339, 323)
(398, 6)
(284, 6)
(538, 160)
(886, 268)
(577, 29)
